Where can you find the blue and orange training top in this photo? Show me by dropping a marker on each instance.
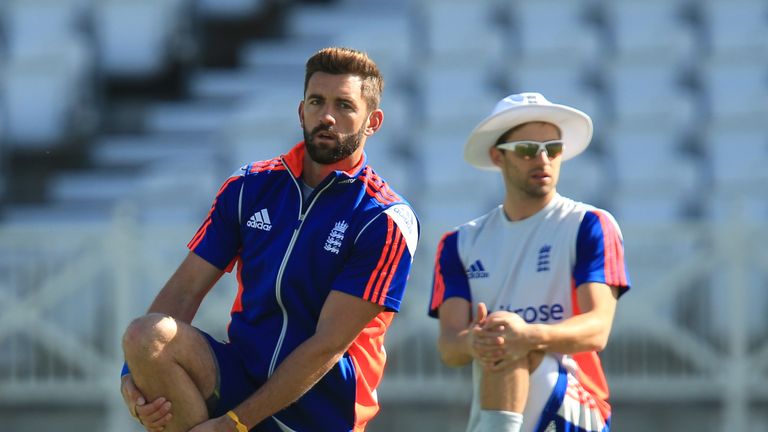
(353, 234)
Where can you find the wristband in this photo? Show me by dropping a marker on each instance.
(239, 426)
(125, 371)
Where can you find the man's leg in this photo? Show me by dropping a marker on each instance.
(171, 359)
(504, 394)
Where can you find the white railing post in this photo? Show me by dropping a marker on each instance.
(733, 243)
(124, 249)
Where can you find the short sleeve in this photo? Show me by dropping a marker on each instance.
(218, 238)
(378, 268)
(450, 278)
(600, 252)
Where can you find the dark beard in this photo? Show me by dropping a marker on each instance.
(346, 144)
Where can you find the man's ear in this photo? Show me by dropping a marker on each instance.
(301, 114)
(496, 155)
(375, 120)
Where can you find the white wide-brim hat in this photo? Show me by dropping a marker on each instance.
(575, 126)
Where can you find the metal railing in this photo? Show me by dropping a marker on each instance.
(684, 332)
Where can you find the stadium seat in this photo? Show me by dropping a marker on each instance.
(651, 94)
(480, 37)
(230, 9)
(385, 34)
(736, 28)
(647, 211)
(450, 93)
(144, 149)
(289, 53)
(235, 85)
(46, 92)
(440, 152)
(737, 206)
(556, 31)
(586, 178)
(31, 25)
(261, 127)
(126, 53)
(738, 156)
(652, 30)
(736, 92)
(652, 161)
(656, 179)
(199, 116)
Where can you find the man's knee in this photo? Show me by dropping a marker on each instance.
(149, 336)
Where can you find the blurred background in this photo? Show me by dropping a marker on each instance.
(119, 119)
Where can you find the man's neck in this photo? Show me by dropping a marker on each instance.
(313, 173)
(517, 208)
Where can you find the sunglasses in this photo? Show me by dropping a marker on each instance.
(530, 149)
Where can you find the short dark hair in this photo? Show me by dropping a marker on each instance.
(503, 137)
(340, 61)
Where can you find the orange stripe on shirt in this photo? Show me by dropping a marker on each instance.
(382, 276)
(201, 231)
(380, 264)
(620, 269)
(377, 188)
(386, 192)
(269, 165)
(607, 247)
(438, 288)
(614, 252)
(400, 247)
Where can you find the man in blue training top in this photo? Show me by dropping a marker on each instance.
(323, 248)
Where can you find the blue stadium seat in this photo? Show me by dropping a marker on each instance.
(47, 73)
(30, 25)
(656, 180)
(652, 30)
(385, 34)
(735, 28)
(230, 9)
(46, 92)
(556, 31)
(451, 92)
(126, 53)
(736, 91)
(456, 29)
(651, 94)
(738, 156)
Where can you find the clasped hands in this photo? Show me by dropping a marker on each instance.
(155, 415)
(498, 339)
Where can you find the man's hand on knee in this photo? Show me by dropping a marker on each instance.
(154, 415)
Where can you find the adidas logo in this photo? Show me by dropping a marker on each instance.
(260, 220)
(476, 270)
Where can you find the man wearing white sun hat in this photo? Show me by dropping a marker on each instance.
(542, 274)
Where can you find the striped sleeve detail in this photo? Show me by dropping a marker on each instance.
(204, 227)
(438, 286)
(378, 188)
(381, 277)
(268, 165)
(615, 272)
